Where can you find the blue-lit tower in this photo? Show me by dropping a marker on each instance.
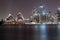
(58, 12)
(43, 13)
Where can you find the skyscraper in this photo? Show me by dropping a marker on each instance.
(43, 13)
(35, 15)
(58, 12)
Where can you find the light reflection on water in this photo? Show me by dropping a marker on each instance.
(43, 32)
(47, 32)
(58, 32)
(40, 32)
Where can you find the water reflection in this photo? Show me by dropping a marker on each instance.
(43, 32)
(32, 32)
(46, 32)
(40, 32)
(58, 32)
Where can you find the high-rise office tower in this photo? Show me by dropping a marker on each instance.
(58, 12)
(43, 13)
(35, 15)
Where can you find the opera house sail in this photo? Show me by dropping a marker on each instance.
(9, 19)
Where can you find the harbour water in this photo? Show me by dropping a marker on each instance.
(30, 32)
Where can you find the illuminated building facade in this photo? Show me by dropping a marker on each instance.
(19, 18)
(9, 19)
(58, 12)
(42, 11)
(41, 15)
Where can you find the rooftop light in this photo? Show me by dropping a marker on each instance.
(41, 6)
(59, 9)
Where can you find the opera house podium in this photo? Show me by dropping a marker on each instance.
(29, 31)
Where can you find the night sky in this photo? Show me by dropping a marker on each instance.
(25, 6)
